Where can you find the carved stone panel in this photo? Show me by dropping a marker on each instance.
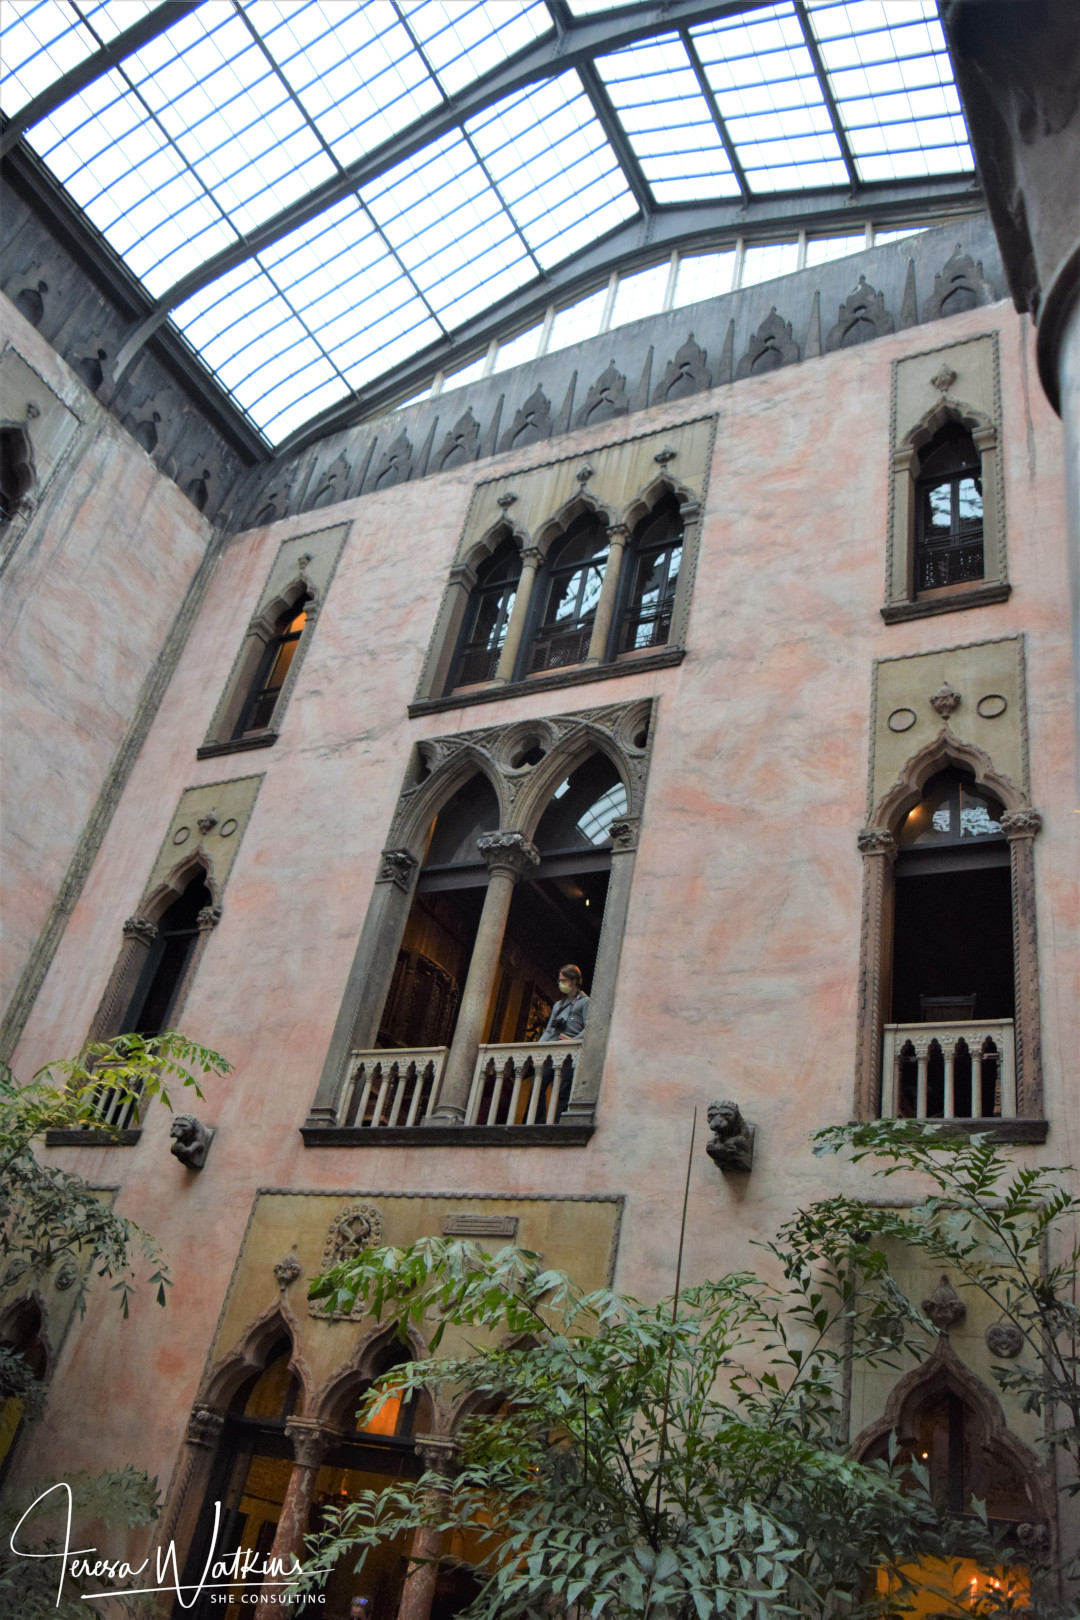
(961, 285)
(394, 466)
(357, 1227)
(862, 316)
(771, 347)
(461, 444)
(606, 398)
(686, 374)
(531, 423)
(231, 803)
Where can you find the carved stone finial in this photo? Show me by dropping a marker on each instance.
(943, 380)
(732, 1145)
(287, 1270)
(1004, 1339)
(206, 823)
(507, 500)
(509, 849)
(190, 1140)
(662, 457)
(944, 1307)
(302, 562)
(945, 701)
(583, 474)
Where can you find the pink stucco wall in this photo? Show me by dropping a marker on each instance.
(89, 598)
(738, 972)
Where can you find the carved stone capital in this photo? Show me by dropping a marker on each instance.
(396, 866)
(624, 832)
(508, 851)
(462, 574)
(531, 557)
(438, 1452)
(618, 534)
(877, 841)
(204, 1427)
(310, 1440)
(140, 928)
(1021, 823)
(208, 918)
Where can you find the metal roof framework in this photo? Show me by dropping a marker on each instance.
(307, 208)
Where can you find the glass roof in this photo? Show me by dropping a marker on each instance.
(316, 191)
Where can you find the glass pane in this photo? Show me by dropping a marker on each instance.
(820, 249)
(970, 500)
(771, 259)
(939, 508)
(640, 294)
(578, 321)
(518, 351)
(704, 275)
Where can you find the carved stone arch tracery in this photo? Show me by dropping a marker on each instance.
(367, 1362)
(642, 504)
(878, 847)
(489, 542)
(250, 1355)
(947, 410)
(574, 747)
(450, 768)
(579, 505)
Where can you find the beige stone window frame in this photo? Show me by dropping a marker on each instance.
(903, 601)
(623, 734)
(877, 843)
(642, 473)
(300, 577)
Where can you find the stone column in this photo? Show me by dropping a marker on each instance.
(139, 935)
(581, 1109)
(439, 1455)
(1020, 828)
(509, 855)
(878, 850)
(531, 559)
(444, 642)
(311, 1441)
(618, 535)
(190, 1481)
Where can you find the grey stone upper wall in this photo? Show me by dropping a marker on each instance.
(781, 322)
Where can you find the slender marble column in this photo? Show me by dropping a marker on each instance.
(439, 1454)
(508, 855)
(878, 850)
(531, 559)
(618, 535)
(311, 1441)
(1020, 828)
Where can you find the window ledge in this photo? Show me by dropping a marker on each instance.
(925, 607)
(576, 675)
(1022, 1132)
(237, 745)
(496, 1136)
(77, 1137)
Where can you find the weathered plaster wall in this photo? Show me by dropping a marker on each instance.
(739, 967)
(92, 590)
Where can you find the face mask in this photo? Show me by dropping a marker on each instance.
(565, 986)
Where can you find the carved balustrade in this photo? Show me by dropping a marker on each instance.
(520, 1083)
(392, 1087)
(960, 1070)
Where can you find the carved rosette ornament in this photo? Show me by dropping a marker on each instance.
(944, 1307)
(1004, 1339)
(67, 1276)
(508, 851)
(356, 1228)
(877, 841)
(396, 866)
(140, 928)
(286, 1271)
(1021, 823)
(945, 701)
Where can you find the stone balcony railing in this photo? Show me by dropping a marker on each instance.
(962, 1070)
(519, 1084)
(392, 1086)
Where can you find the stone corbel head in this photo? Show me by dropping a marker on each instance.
(190, 1140)
(732, 1145)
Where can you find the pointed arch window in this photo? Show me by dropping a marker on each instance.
(948, 511)
(653, 578)
(575, 576)
(273, 670)
(487, 620)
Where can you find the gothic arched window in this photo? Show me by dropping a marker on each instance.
(490, 606)
(167, 961)
(277, 657)
(575, 570)
(652, 578)
(948, 511)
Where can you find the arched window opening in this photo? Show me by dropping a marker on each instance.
(167, 961)
(943, 1433)
(16, 472)
(23, 1331)
(953, 980)
(575, 570)
(652, 578)
(488, 617)
(422, 1005)
(272, 672)
(948, 511)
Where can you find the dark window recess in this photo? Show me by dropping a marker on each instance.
(575, 575)
(948, 511)
(653, 578)
(490, 607)
(16, 471)
(270, 676)
(167, 961)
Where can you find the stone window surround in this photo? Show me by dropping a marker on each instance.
(432, 695)
(523, 793)
(902, 602)
(140, 932)
(877, 844)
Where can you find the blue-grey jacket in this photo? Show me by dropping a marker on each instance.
(567, 1018)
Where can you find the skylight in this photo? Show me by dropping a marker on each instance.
(316, 192)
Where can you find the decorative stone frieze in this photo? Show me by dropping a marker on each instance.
(771, 347)
(394, 466)
(686, 374)
(960, 286)
(862, 316)
(531, 423)
(607, 397)
(461, 444)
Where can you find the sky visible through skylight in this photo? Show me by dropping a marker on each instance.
(242, 108)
